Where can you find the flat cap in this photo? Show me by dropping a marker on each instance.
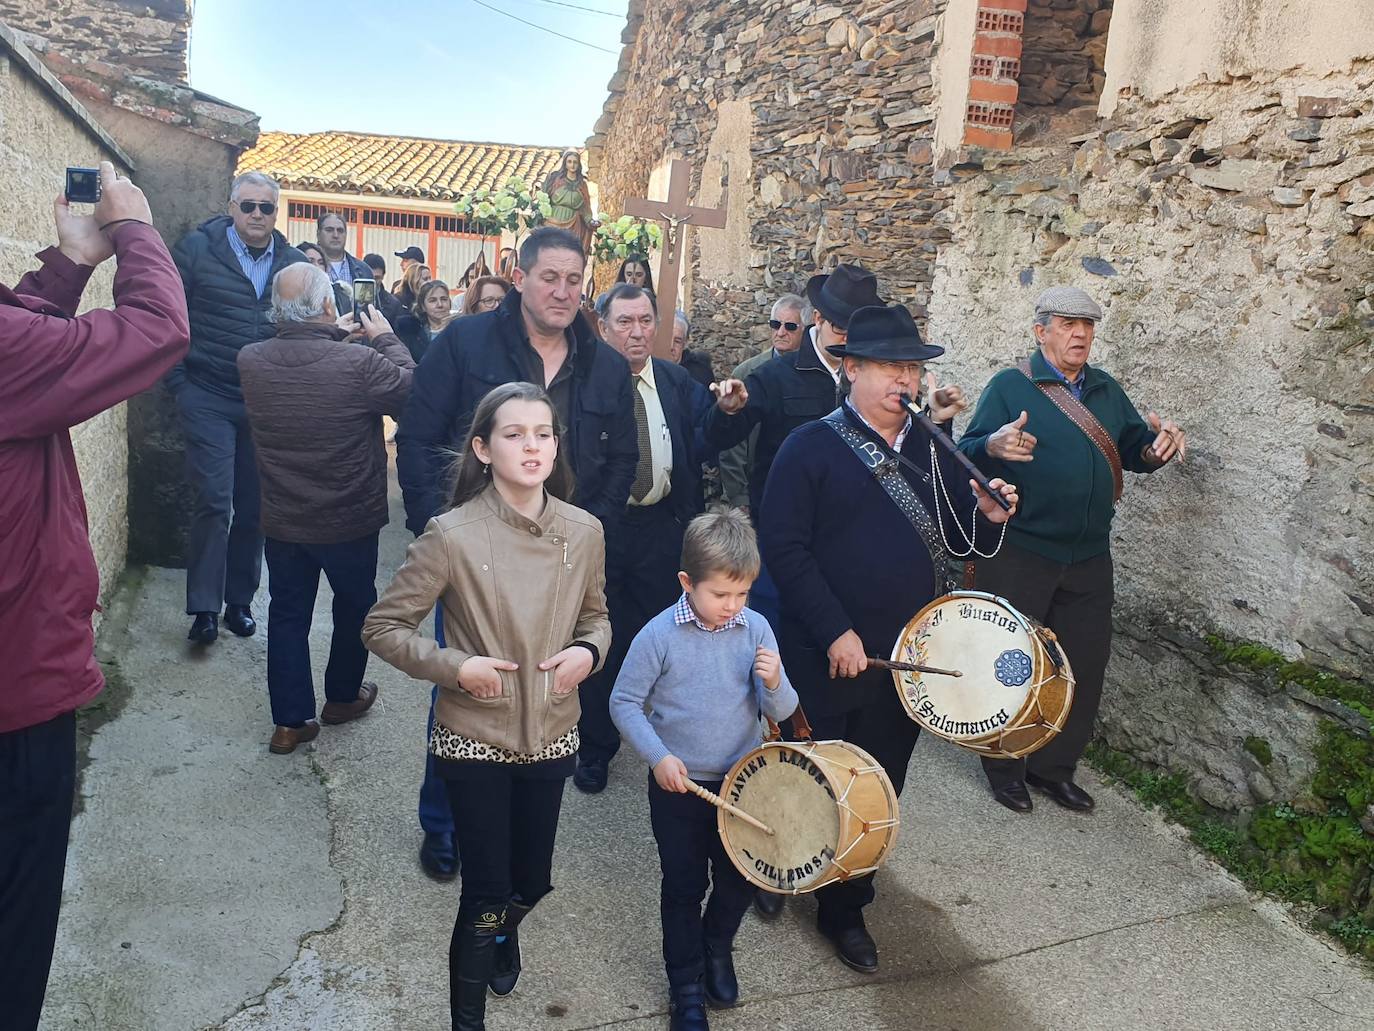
(1068, 302)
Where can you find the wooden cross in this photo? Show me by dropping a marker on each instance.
(675, 213)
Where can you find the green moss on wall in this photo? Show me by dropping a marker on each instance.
(1311, 851)
(1259, 748)
(1261, 659)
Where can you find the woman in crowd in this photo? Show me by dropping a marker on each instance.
(520, 575)
(431, 312)
(485, 294)
(635, 271)
(343, 297)
(415, 277)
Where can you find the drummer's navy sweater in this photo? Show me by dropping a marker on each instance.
(702, 697)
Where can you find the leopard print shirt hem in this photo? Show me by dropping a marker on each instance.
(445, 744)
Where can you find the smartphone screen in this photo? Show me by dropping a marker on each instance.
(83, 185)
(364, 292)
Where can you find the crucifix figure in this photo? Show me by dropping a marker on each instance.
(676, 213)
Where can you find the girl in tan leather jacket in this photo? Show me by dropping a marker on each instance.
(520, 574)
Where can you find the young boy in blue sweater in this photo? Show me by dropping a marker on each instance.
(704, 669)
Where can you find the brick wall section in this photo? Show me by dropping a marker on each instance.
(840, 123)
(147, 36)
(996, 64)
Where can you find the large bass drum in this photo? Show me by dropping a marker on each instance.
(1016, 686)
(830, 806)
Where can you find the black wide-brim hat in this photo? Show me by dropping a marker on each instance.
(839, 294)
(885, 333)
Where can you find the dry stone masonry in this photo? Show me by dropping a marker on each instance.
(814, 121)
(148, 36)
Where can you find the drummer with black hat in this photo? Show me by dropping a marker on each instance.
(793, 388)
(854, 538)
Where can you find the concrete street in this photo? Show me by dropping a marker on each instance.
(213, 885)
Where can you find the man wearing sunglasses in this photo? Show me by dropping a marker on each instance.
(787, 326)
(227, 264)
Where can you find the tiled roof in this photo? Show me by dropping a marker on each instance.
(400, 166)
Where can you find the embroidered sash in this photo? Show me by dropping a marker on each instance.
(878, 461)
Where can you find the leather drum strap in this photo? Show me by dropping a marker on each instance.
(799, 725)
(1078, 414)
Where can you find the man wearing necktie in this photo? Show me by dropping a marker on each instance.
(644, 554)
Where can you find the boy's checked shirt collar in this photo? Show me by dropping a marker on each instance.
(683, 614)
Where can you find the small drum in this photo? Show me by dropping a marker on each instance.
(1017, 685)
(831, 808)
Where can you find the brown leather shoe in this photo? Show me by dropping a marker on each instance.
(285, 739)
(342, 712)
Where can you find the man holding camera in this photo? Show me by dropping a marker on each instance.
(58, 369)
(226, 265)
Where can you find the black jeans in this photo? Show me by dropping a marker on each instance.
(1075, 601)
(642, 560)
(884, 730)
(293, 581)
(505, 818)
(37, 779)
(689, 848)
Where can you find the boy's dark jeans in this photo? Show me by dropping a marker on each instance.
(688, 847)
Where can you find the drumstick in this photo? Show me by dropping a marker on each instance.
(735, 811)
(907, 667)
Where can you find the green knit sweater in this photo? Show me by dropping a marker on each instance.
(1065, 512)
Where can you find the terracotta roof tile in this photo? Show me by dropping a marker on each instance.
(402, 166)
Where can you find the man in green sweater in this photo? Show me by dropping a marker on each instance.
(1064, 431)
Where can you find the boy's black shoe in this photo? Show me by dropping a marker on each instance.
(722, 988)
(768, 904)
(687, 1011)
(855, 947)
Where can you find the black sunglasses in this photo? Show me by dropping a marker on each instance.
(250, 206)
(791, 327)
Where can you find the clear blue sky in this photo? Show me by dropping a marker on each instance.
(444, 68)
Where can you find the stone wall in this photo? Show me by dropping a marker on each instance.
(813, 121)
(1064, 54)
(1226, 227)
(39, 137)
(148, 36)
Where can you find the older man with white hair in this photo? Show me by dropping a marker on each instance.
(1065, 430)
(226, 265)
(787, 324)
(315, 403)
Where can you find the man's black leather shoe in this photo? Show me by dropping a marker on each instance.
(1065, 792)
(722, 987)
(768, 904)
(687, 1011)
(205, 628)
(590, 776)
(438, 857)
(1014, 796)
(239, 619)
(856, 948)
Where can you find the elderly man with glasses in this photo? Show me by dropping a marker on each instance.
(227, 264)
(787, 326)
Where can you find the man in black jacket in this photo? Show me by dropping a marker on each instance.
(331, 233)
(538, 335)
(226, 266)
(795, 388)
(642, 560)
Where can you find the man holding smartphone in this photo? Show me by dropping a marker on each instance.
(58, 369)
(226, 264)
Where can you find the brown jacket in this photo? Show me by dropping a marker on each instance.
(512, 588)
(315, 405)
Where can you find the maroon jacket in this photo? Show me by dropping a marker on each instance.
(56, 371)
